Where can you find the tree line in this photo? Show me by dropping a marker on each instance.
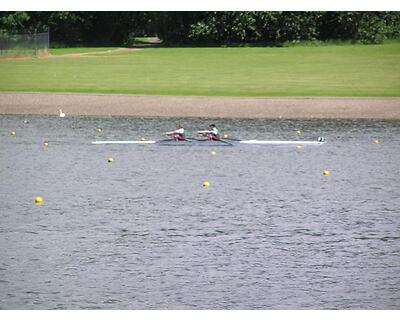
(204, 28)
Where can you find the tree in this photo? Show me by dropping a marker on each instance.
(14, 22)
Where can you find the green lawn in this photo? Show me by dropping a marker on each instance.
(334, 70)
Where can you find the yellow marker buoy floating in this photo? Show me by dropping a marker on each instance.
(38, 200)
(326, 173)
(299, 132)
(110, 159)
(298, 147)
(13, 133)
(213, 153)
(376, 141)
(225, 136)
(99, 129)
(142, 139)
(46, 143)
(206, 184)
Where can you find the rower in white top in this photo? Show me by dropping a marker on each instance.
(212, 133)
(178, 134)
(62, 114)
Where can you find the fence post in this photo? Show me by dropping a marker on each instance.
(48, 40)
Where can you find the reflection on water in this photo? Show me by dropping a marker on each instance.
(271, 232)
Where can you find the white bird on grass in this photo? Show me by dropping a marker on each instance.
(62, 114)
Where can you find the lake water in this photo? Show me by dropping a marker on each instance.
(270, 232)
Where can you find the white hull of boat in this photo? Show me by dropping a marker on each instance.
(281, 142)
(124, 142)
(208, 142)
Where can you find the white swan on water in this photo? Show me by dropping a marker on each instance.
(62, 114)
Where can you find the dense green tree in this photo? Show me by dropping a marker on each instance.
(14, 22)
(215, 28)
(174, 27)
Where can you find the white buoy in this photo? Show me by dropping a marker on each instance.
(62, 114)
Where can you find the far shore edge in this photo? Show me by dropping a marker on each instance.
(100, 104)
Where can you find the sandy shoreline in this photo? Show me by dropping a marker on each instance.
(210, 107)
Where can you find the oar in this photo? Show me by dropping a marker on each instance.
(232, 139)
(227, 142)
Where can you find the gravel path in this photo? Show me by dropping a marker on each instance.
(173, 106)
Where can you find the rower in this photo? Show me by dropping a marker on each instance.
(212, 132)
(178, 134)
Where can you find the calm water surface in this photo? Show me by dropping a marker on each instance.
(271, 232)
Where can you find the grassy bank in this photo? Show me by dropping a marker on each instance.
(336, 70)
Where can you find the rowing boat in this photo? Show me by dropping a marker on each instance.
(208, 143)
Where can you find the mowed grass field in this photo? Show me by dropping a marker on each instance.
(332, 70)
(59, 51)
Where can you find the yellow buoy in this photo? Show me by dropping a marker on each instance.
(38, 200)
(46, 144)
(213, 152)
(13, 133)
(110, 159)
(206, 184)
(225, 136)
(376, 141)
(142, 139)
(326, 173)
(99, 129)
(298, 147)
(299, 132)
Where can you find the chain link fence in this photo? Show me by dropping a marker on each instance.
(19, 45)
